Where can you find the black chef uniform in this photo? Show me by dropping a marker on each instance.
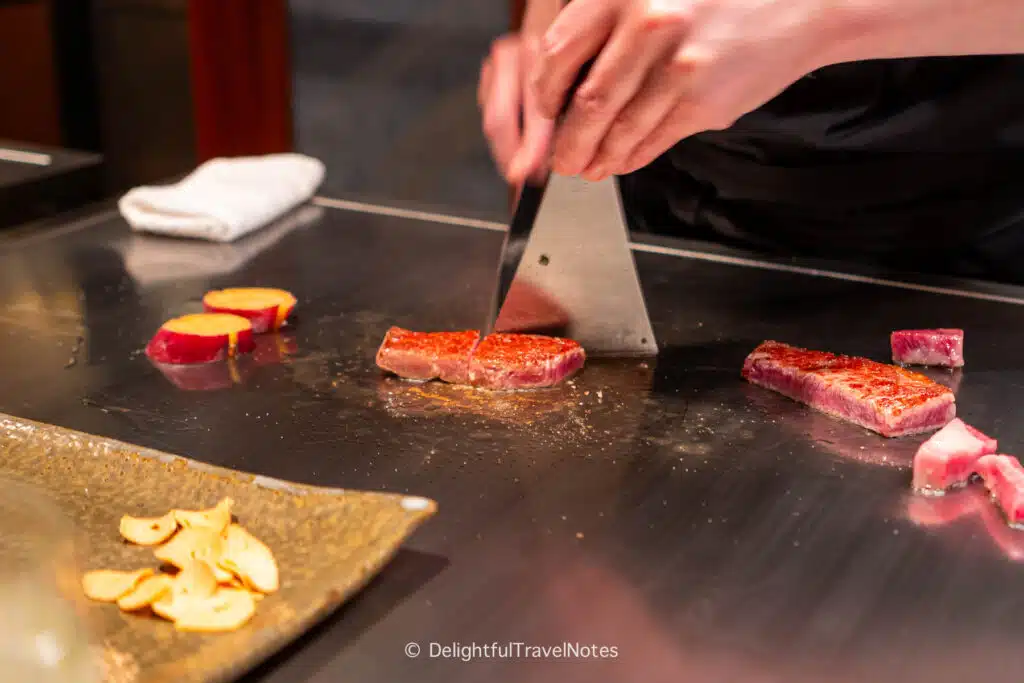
(915, 164)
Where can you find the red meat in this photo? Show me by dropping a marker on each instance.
(883, 398)
(1004, 478)
(947, 459)
(500, 361)
(524, 361)
(427, 355)
(942, 347)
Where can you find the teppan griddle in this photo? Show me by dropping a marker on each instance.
(697, 528)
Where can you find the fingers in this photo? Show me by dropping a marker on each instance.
(659, 97)
(502, 97)
(575, 36)
(682, 121)
(641, 41)
(538, 132)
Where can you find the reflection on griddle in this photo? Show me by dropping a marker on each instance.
(843, 439)
(948, 378)
(618, 387)
(204, 376)
(271, 349)
(412, 399)
(970, 502)
(528, 308)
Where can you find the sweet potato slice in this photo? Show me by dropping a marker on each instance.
(201, 338)
(266, 308)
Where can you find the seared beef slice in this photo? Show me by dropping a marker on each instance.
(883, 398)
(427, 355)
(524, 361)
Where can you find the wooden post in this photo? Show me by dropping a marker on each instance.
(240, 68)
(30, 109)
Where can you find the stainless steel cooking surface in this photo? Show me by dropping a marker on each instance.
(705, 529)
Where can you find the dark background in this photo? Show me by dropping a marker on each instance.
(383, 92)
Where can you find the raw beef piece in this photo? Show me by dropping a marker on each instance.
(427, 355)
(883, 398)
(1004, 478)
(947, 459)
(523, 361)
(943, 347)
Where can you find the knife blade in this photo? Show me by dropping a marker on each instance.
(520, 228)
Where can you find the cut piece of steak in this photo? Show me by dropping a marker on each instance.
(427, 355)
(523, 361)
(1004, 478)
(942, 347)
(947, 459)
(883, 398)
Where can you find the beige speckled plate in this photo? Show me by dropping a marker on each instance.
(328, 542)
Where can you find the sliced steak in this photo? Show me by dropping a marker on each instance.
(883, 398)
(947, 459)
(523, 361)
(427, 355)
(942, 347)
(1004, 478)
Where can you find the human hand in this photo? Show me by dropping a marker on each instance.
(518, 134)
(667, 69)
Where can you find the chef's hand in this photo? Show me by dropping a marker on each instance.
(519, 146)
(667, 69)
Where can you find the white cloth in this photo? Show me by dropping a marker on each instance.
(225, 199)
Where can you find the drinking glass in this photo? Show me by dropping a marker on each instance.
(44, 635)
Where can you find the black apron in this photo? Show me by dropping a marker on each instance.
(916, 164)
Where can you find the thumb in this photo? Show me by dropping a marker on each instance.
(532, 157)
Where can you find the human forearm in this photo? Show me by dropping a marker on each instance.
(880, 29)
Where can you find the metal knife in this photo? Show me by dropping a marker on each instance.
(521, 227)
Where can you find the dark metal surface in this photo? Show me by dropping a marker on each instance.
(707, 530)
(56, 180)
(514, 245)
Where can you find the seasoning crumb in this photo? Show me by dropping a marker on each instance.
(579, 534)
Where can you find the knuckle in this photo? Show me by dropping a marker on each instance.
(680, 67)
(657, 14)
(621, 133)
(503, 47)
(593, 98)
(690, 62)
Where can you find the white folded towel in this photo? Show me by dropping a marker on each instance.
(225, 199)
